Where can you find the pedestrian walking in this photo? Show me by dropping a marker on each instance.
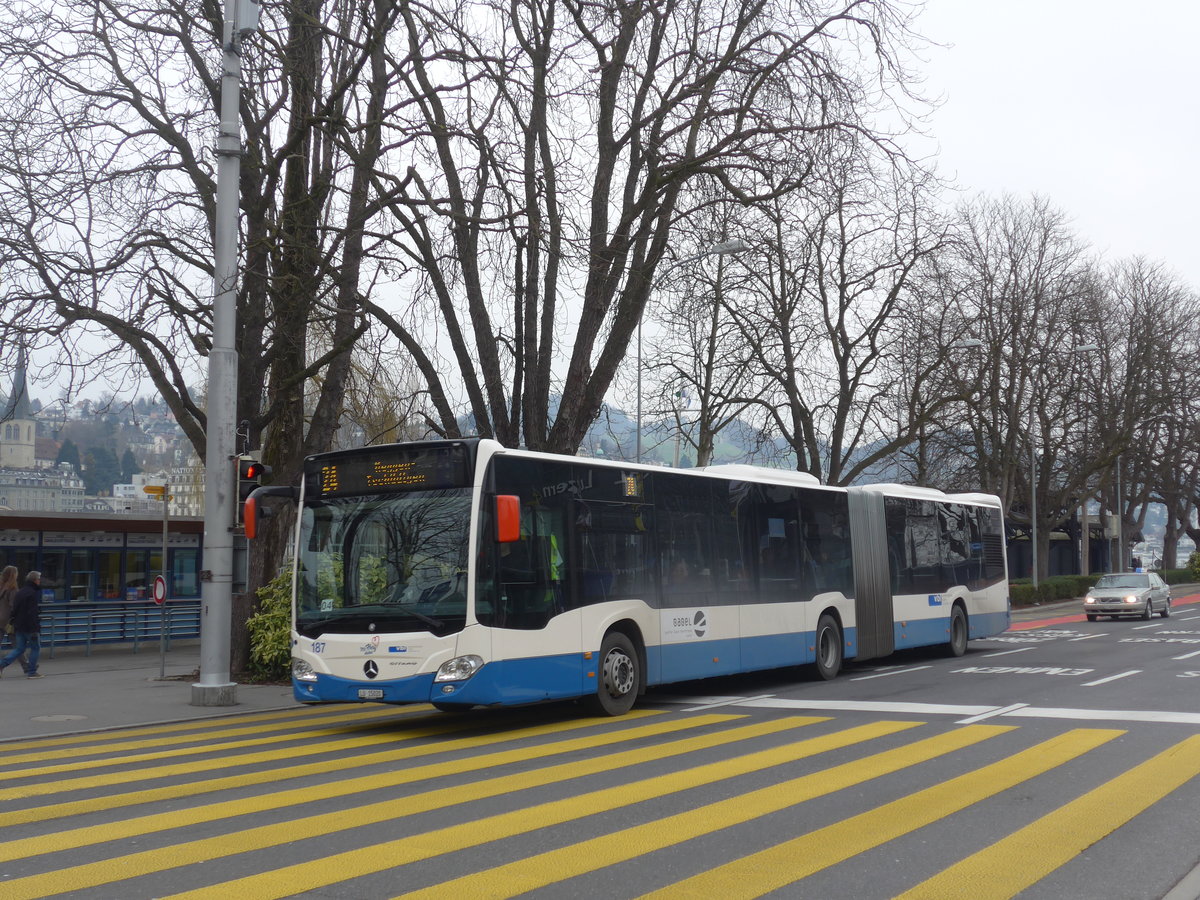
(8, 591)
(27, 625)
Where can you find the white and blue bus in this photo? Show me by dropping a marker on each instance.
(463, 573)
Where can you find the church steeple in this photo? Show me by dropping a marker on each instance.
(18, 430)
(18, 401)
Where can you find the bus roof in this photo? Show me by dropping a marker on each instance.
(925, 493)
(744, 472)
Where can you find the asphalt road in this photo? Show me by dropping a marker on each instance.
(1056, 761)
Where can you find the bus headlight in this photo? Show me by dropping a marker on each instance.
(302, 671)
(459, 669)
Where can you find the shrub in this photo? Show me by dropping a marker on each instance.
(1050, 590)
(1180, 576)
(271, 629)
(1022, 594)
(1192, 568)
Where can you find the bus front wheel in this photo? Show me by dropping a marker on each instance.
(829, 647)
(618, 676)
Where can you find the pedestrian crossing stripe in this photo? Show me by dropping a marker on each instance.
(256, 737)
(291, 717)
(789, 862)
(288, 880)
(506, 764)
(1026, 856)
(226, 762)
(297, 828)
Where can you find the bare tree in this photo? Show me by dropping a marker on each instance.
(1023, 286)
(1138, 385)
(827, 310)
(542, 164)
(109, 204)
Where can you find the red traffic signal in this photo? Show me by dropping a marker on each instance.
(251, 474)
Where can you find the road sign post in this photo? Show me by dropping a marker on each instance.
(163, 492)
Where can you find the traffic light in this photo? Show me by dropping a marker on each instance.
(251, 474)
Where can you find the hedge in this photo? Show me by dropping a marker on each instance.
(1072, 587)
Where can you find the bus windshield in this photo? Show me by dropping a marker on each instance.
(384, 563)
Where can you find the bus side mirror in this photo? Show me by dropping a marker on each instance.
(251, 515)
(508, 518)
(255, 510)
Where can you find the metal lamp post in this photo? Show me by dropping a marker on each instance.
(215, 687)
(723, 249)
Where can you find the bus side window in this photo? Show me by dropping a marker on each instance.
(612, 561)
(530, 572)
(777, 536)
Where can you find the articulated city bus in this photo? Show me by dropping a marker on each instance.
(463, 573)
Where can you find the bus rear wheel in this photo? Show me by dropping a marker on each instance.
(957, 645)
(618, 676)
(829, 647)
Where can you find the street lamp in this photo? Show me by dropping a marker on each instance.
(724, 248)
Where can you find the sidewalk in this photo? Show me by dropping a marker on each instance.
(113, 688)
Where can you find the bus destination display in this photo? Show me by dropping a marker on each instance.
(391, 470)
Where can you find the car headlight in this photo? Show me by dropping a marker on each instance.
(460, 668)
(302, 671)
(1089, 599)
(1132, 598)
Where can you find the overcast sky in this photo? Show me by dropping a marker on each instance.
(1092, 104)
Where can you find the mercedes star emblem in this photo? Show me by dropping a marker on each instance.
(370, 669)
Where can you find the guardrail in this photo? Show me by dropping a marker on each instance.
(76, 624)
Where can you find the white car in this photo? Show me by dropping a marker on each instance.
(1130, 594)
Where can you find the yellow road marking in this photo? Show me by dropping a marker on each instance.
(169, 792)
(1029, 855)
(781, 865)
(283, 882)
(137, 864)
(587, 856)
(156, 823)
(175, 750)
(305, 716)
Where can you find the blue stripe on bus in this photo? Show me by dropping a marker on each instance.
(516, 681)
(510, 682)
(930, 632)
(705, 659)
(331, 689)
(986, 624)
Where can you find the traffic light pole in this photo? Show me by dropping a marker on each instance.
(215, 687)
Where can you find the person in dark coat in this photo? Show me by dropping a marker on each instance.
(8, 590)
(27, 624)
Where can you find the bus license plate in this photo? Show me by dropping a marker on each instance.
(370, 694)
